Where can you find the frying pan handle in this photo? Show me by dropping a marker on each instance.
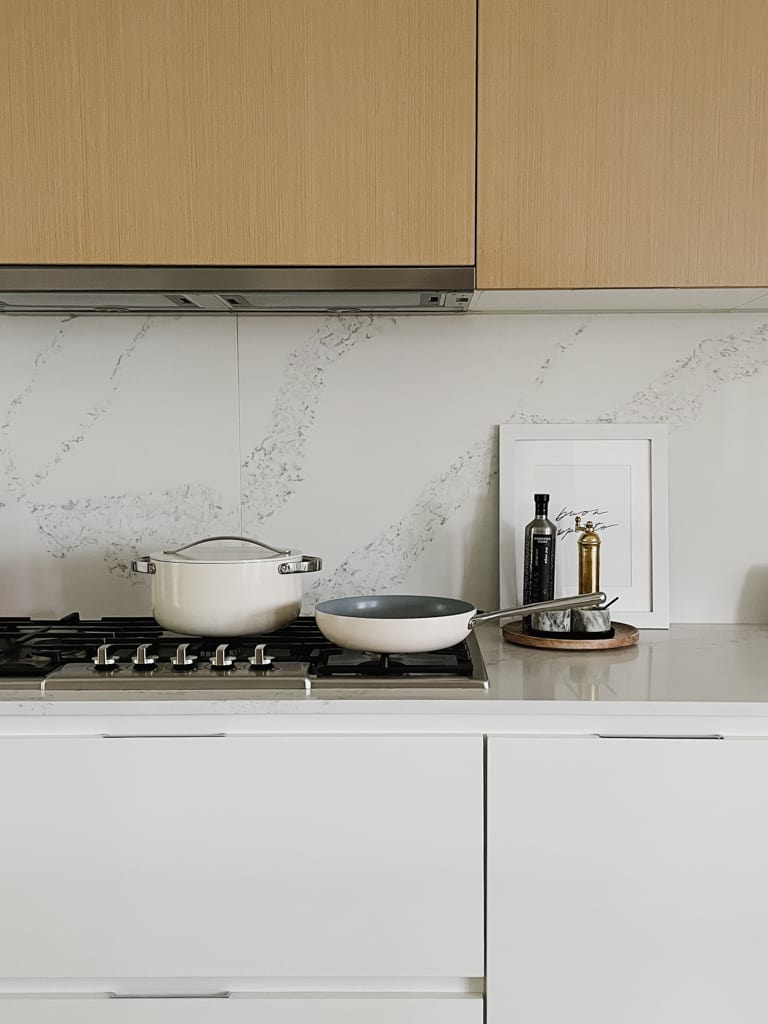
(578, 601)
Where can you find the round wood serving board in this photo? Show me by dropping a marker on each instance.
(624, 636)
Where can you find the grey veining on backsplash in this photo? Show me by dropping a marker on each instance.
(121, 435)
(273, 468)
(13, 479)
(678, 395)
(22, 485)
(94, 413)
(675, 398)
(116, 524)
(88, 418)
(121, 525)
(528, 415)
(385, 561)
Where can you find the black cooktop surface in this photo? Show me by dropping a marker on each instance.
(36, 647)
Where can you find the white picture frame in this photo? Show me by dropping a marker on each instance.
(614, 474)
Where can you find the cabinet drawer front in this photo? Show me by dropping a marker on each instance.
(258, 1010)
(242, 856)
(626, 880)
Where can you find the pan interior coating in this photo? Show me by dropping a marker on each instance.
(395, 606)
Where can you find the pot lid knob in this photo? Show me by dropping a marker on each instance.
(142, 658)
(260, 659)
(221, 659)
(181, 659)
(102, 659)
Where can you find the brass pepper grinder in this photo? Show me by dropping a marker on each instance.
(589, 558)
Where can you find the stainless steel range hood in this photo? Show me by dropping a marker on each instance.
(149, 289)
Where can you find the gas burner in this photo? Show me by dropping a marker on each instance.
(125, 653)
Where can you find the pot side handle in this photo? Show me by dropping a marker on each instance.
(308, 563)
(144, 564)
(245, 540)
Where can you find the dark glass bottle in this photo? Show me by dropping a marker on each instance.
(539, 561)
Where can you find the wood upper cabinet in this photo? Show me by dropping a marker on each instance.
(255, 132)
(622, 144)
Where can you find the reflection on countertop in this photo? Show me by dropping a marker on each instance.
(688, 662)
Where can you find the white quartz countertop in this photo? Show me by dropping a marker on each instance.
(690, 673)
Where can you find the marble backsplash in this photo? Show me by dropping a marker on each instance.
(370, 441)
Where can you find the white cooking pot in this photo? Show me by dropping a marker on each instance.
(227, 588)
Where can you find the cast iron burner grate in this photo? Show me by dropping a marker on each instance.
(453, 661)
(37, 647)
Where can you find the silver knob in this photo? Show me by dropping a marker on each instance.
(142, 659)
(260, 659)
(181, 659)
(221, 659)
(102, 659)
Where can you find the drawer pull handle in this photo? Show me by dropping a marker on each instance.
(657, 736)
(168, 995)
(163, 735)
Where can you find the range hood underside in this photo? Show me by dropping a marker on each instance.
(144, 289)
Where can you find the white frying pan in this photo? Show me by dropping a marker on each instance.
(399, 624)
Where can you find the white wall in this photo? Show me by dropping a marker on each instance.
(367, 440)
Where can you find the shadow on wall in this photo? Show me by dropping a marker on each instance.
(480, 555)
(753, 601)
(46, 587)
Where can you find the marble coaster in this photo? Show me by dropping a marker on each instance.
(552, 622)
(591, 620)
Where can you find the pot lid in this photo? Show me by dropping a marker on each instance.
(225, 549)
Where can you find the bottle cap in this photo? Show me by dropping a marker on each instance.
(542, 501)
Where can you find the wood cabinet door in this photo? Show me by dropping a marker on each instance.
(627, 881)
(283, 1009)
(241, 856)
(255, 132)
(622, 144)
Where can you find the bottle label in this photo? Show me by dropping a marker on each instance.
(542, 576)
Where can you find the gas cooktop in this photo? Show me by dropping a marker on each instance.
(127, 653)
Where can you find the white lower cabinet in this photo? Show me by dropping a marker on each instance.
(627, 881)
(259, 1010)
(241, 856)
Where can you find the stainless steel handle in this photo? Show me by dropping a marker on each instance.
(142, 658)
(658, 736)
(168, 995)
(260, 659)
(245, 540)
(181, 659)
(163, 735)
(221, 659)
(561, 603)
(308, 563)
(102, 659)
(143, 564)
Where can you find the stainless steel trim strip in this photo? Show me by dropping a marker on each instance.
(94, 278)
(169, 995)
(162, 735)
(657, 736)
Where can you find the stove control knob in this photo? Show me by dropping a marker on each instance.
(142, 658)
(181, 659)
(102, 659)
(260, 659)
(221, 659)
